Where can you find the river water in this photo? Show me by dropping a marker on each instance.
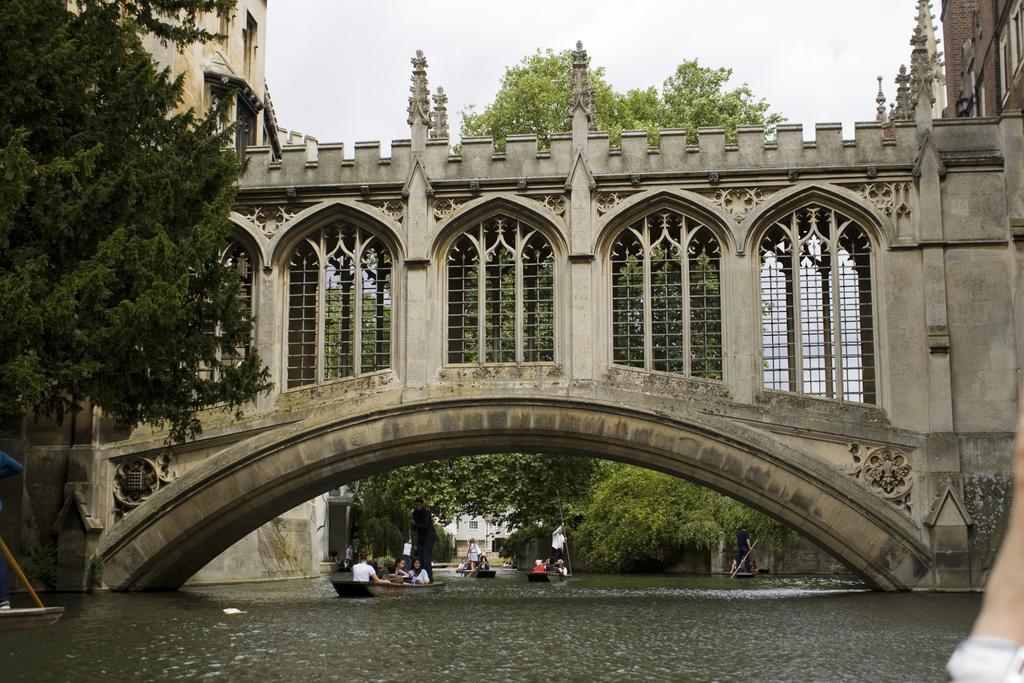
(593, 628)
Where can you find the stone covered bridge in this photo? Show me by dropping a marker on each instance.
(829, 330)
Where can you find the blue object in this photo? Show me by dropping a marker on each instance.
(9, 467)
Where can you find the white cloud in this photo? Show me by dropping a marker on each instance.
(340, 70)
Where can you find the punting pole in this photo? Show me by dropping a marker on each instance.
(740, 563)
(21, 575)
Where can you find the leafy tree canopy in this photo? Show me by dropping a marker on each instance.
(515, 489)
(641, 519)
(113, 215)
(534, 95)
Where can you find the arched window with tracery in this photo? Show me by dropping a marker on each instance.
(501, 295)
(339, 305)
(235, 257)
(666, 296)
(817, 315)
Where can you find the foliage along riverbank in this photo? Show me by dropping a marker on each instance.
(619, 518)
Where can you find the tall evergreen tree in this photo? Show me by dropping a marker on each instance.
(113, 216)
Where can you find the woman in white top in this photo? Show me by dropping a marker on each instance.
(419, 574)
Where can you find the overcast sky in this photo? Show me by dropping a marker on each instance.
(339, 70)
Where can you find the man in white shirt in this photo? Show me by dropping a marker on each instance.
(557, 542)
(363, 572)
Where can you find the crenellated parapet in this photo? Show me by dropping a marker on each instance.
(677, 155)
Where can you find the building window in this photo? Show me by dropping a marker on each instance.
(225, 29)
(1017, 24)
(817, 312)
(237, 258)
(339, 306)
(501, 295)
(666, 296)
(473, 524)
(249, 35)
(1005, 69)
(245, 120)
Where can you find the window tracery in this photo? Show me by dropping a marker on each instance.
(501, 295)
(236, 257)
(817, 306)
(339, 306)
(666, 296)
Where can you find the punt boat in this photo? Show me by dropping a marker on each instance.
(356, 589)
(29, 617)
(480, 574)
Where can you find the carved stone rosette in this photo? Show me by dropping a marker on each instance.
(268, 219)
(392, 208)
(446, 207)
(886, 471)
(555, 203)
(136, 479)
(606, 201)
(738, 202)
(892, 199)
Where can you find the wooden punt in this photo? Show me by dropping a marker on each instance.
(355, 589)
(30, 617)
(744, 575)
(480, 574)
(545, 577)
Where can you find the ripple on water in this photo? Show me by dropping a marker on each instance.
(592, 628)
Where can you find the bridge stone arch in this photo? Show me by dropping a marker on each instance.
(879, 228)
(186, 524)
(325, 212)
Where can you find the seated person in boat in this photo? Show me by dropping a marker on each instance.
(538, 567)
(483, 564)
(419, 574)
(362, 572)
(550, 566)
(560, 568)
(400, 573)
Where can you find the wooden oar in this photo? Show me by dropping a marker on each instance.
(740, 563)
(21, 574)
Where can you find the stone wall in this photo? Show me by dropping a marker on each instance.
(285, 548)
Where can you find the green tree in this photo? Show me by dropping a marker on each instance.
(534, 94)
(515, 489)
(639, 519)
(113, 215)
(534, 98)
(695, 96)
